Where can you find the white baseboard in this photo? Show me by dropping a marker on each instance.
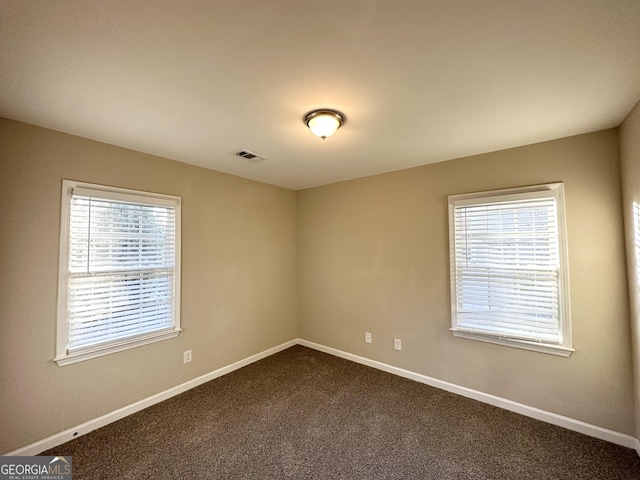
(86, 427)
(549, 417)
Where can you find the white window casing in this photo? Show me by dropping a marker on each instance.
(119, 274)
(509, 268)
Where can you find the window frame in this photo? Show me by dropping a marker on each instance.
(63, 356)
(549, 190)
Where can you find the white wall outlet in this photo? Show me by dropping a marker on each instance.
(186, 356)
(397, 344)
(367, 337)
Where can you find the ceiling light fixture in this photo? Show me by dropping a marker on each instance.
(324, 123)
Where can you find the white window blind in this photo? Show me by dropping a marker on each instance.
(121, 276)
(508, 267)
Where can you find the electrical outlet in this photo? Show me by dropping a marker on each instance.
(397, 344)
(367, 337)
(186, 356)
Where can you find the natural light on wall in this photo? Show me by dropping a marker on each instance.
(636, 237)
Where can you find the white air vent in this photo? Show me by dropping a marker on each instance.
(251, 156)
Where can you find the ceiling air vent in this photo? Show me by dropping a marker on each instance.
(251, 156)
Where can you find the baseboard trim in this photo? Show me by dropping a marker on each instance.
(549, 417)
(86, 427)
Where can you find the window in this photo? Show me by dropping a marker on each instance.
(119, 281)
(509, 278)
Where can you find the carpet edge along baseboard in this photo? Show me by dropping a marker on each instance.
(529, 411)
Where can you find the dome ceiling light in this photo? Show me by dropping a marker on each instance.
(324, 123)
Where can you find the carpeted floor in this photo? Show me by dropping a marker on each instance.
(302, 414)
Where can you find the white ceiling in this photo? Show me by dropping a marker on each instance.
(419, 81)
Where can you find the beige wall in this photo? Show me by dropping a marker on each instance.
(373, 256)
(630, 160)
(238, 279)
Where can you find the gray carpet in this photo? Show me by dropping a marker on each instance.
(302, 414)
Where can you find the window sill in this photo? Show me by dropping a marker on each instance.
(83, 355)
(559, 350)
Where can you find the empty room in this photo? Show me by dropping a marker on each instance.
(342, 239)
